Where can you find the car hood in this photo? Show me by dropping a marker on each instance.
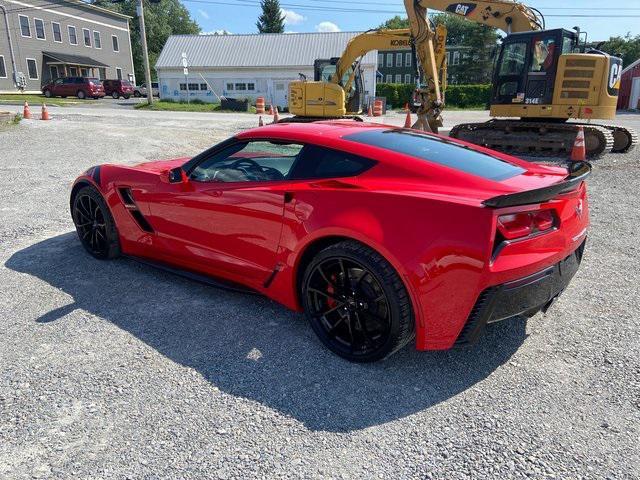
(160, 166)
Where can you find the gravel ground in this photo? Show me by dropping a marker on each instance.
(118, 370)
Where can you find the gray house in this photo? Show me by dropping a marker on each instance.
(41, 40)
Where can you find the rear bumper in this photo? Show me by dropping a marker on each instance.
(524, 296)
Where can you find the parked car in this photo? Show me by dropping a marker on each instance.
(141, 90)
(381, 235)
(118, 88)
(81, 87)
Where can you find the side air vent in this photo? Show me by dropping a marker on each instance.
(127, 197)
(141, 221)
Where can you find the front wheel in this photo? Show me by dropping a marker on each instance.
(127, 97)
(94, 224)
(356, 303)
(115, 95)
(137, 94)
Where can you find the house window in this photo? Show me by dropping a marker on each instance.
(398, 59)
(389, 78)
(84, 72)
(73, 39)
(87, 37)
(102, 73)
(183, 86)
(398, 78)
(407, 78)
(194, 86)
(97, 41)
(57, 34)
(380, 60)
(229, 86)
(407, 59)
(389, 59)
(240, 86)
(119, 73)
(3, 69)
(204, 87)
(455, 58)
(53, 71)
(25, 29)
(251, 86)
(116, 45)
(73, 71)
(39, 24)
(32, 68)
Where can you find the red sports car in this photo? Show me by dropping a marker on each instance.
(379, 234)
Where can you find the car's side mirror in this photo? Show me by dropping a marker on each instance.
(177, 175)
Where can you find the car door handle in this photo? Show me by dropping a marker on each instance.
(288, 196)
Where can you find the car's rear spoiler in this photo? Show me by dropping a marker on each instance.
(578, 172)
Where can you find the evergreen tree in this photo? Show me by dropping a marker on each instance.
(272, 19)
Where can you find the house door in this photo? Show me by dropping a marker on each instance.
(635, 93)
(280, 93)
(53, 71)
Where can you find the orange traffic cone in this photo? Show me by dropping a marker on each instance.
(407, 120)
(270, 109)
(45, 113)
(578, 152)
(370, 111)
(260, 122)
(26, 113)
(276, 117)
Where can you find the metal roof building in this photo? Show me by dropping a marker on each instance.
(248, 66)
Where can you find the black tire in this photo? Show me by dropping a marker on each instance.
(47, 93)
(81, 94)
(127, 97)
(137, 94)
(115, 95)
(373, 305)
(94, 224)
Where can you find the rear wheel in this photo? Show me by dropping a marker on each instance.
(47, 93)
(127, 97)
(136, 94)
(356, 303)
(94, 224)
(115, 95)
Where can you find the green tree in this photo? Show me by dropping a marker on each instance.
(272, 19)
(168, 17)
(628, 47)
(477, 41)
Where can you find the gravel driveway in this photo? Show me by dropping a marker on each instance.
(118, 370)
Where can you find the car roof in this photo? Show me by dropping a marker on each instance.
(332, 129)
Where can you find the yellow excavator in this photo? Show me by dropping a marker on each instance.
(546, 83)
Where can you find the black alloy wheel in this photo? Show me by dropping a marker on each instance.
(94, 224)
(356, 303)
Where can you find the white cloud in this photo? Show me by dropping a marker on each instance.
(216, 32)
(203, 14)
(327, 27)
(291, 17)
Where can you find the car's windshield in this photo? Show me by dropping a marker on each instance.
(438, 150)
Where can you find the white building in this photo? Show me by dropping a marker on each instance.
(248, 66)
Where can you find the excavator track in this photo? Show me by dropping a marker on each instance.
(624, 139)
(543, 139)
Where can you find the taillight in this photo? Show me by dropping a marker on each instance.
(524, 224)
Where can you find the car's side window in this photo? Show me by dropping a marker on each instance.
(257, 161)
(320, 162)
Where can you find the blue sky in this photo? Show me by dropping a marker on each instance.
(239, 16)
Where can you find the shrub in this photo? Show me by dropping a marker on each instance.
(463, 96)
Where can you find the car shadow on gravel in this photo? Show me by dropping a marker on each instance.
(251, 347)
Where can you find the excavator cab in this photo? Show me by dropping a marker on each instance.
(527, 66)
(325, 69)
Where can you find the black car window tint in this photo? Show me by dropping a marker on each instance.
(321, 162)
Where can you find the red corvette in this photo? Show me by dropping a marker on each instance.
(379, 234)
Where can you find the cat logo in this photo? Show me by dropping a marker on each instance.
(614, 75)
(463, 9)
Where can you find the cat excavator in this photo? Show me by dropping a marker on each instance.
(546, 83)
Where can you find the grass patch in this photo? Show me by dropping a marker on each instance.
(195, 105)
(34, 99)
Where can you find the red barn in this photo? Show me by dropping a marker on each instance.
(629, 96)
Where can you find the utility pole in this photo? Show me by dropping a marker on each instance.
(145, 53)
